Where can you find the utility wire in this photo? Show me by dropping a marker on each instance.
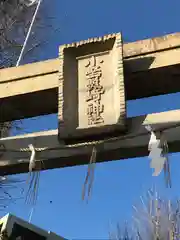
(20, 58)
(28, 33)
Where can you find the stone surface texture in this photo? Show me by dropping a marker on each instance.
(91, 88)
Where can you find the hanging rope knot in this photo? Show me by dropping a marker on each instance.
(32, 161)
(158, 148)
(35, 168)
(29, 3)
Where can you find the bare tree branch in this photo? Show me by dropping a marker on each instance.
(15, 19)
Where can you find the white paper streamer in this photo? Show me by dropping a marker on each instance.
(155, 149)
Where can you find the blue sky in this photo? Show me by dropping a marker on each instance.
(118, 184)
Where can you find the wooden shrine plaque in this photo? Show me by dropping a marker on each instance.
(91, 88)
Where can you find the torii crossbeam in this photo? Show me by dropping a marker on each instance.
(151, 67)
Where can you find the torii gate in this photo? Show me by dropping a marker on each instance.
(88, 86)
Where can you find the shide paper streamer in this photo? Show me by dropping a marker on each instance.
(158, 153)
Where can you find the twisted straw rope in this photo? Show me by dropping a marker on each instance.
(91, 143)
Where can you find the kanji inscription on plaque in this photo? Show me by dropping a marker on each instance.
(91, 88)
(95, 107)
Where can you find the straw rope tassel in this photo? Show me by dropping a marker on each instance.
(90, 174)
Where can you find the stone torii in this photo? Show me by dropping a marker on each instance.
(88, 86)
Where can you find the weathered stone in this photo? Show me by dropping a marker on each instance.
(91, 88)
